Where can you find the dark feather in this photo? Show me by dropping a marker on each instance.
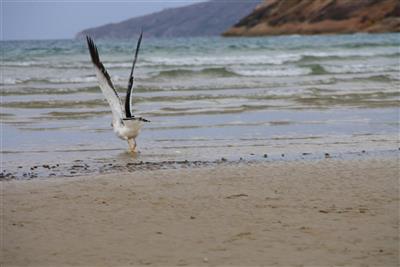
(128, 110)
(94, 54)
(136, 118)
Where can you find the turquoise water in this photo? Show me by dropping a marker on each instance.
(207, 98)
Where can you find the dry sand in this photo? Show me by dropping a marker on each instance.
(329, 212)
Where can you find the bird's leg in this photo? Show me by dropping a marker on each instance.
(132, 145)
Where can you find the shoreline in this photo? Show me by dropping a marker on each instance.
(79, 168)
(323, 212)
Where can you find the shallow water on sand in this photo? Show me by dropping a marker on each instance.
(207, 99)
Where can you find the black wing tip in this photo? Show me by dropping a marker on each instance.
(94, 53)
(141, 35)
(90, 42)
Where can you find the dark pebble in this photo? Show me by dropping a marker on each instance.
(192, 217)
(223, 159)
(283, 155)
(305, 153)
(327, 155)
(363, 151)
(77, 166)
(265, 156)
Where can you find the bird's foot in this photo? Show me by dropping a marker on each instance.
(132, 145)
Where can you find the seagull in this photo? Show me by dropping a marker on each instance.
(126, 126)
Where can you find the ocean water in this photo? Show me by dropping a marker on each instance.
(207, 98)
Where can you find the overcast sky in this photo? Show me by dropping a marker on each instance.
(60, 19)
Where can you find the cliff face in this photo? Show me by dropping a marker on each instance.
(201, 19)
(275, 17)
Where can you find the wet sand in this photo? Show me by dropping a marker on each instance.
(325, 212)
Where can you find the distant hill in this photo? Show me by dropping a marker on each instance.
(201, 19)
(275, 17)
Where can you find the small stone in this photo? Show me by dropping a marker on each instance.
(236, 196)
(205, 259)
(265, 156)
(192, 217)
(283, 155)
(327, 155)
(223, 159)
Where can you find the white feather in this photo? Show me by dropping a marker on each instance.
(112, 98)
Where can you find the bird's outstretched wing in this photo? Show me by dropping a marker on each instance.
(128, 99)
(105, 82)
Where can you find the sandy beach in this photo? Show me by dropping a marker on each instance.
(259, 151)
(319, 213)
